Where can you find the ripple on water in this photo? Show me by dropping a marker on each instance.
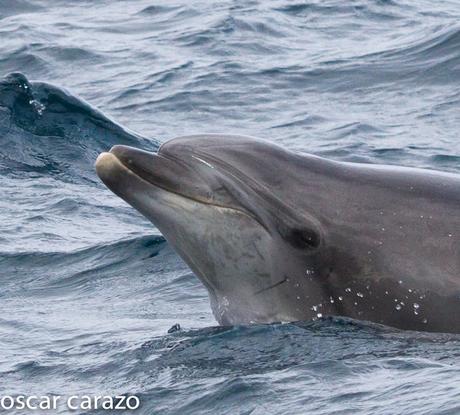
(88, 294)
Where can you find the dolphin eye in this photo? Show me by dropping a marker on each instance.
(304, 238)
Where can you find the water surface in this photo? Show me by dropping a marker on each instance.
(89, 289)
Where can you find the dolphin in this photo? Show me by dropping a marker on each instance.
(277, 236)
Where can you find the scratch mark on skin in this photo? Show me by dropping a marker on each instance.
(203, 161)
(256, 248)
(276, 284)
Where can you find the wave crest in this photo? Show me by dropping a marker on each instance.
(45, 129)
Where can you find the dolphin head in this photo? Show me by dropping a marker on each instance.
(222, 203)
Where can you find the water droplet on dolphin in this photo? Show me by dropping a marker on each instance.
(38, 106)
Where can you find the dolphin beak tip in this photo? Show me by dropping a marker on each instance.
(104, 164)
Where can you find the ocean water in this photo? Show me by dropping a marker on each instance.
(89, 288)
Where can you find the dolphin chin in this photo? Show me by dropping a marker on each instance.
(278, 236)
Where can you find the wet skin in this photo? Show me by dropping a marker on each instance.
(280, 236)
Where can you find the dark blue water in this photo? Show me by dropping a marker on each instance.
(89, 289)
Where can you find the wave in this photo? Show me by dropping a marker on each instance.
(322, 346)
(45, 129)
(13, 7)
(51, 271)
(431, 59)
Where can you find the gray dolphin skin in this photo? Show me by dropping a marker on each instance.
(279, 236)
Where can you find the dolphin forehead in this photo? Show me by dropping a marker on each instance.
(266, 163)
(248, 156)
(216, 141)
(210, 166)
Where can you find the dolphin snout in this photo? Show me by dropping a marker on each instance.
(121, 150)
(114, 167)
(105, 164)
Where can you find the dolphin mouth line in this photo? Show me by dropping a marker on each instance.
(138, 174)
